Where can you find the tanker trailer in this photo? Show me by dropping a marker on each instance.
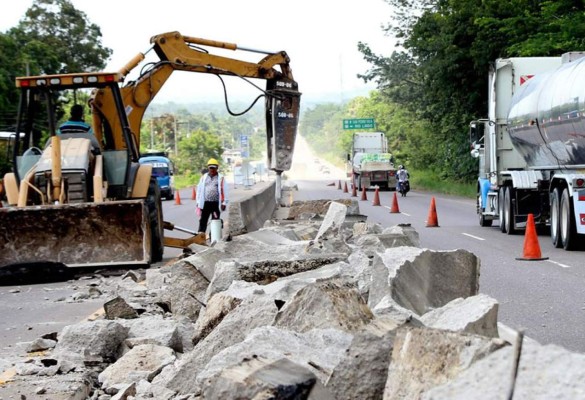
(531, 148)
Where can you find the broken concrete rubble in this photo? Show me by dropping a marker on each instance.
(320, 309)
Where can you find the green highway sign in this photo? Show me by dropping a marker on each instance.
(359, 123)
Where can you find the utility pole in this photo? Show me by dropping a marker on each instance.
(176, 136)
(152, 133)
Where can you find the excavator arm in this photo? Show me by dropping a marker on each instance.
(184, 53)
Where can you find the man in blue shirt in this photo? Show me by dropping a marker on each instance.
(75, 124)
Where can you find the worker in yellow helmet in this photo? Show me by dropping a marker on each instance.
(211, 195)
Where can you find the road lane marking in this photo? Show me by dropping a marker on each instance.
(559, 264)
(471, 236)
(403, 213)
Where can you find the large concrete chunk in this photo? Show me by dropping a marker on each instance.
(320, 207)
(255, 311)
(329, 304)
(142, 362)
(266, 271)
(318, 350)
(545, 372)
(333, 221)
(96, 341)
(205, 261)
(422, 279)
(425, 358)
(362, 372)
(257, 378)
(186, 290)
(475, 314)
(154, 330)
(217, 308)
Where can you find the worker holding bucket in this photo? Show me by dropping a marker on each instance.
(211, 199)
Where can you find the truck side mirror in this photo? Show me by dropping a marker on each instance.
(473, 135)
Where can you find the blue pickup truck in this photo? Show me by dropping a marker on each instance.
(162, 170)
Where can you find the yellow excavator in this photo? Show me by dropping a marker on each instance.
(83, 199)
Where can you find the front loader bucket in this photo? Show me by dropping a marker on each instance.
(77, 235)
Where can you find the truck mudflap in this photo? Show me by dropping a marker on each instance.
(76, 235)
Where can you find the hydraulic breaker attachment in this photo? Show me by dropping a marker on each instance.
(76, 235)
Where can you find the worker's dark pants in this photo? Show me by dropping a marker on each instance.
(210, 208)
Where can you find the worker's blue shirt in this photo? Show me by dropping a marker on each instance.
(74, 127)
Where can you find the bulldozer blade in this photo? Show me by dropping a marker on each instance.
(76, 235)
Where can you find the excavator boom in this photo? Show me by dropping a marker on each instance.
(185, 53)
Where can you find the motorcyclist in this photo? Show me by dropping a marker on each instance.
(403, 185)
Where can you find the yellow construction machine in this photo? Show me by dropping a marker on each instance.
(83, 199)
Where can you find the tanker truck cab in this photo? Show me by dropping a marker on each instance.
(531, 148)
(163, 171)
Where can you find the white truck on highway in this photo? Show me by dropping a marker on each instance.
(371, 164)
(531, 148)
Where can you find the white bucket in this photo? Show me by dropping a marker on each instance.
(215, 230)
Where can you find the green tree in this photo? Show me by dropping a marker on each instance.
(58, 38)
(194, 151)
(52, 37)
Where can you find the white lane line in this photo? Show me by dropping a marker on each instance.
(390, 208)
(559, 264)
(471, 236)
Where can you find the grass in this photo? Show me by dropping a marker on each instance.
(426, 180)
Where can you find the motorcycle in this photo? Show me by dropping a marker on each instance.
(404, 187)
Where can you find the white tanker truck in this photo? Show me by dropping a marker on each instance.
(531, 148)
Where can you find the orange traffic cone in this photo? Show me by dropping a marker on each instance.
(395, 209)
(353, 189)
(376, 201)
(531, 246)
(345, 187)
(193, 194)
(364, 197)
(339, 184)
(432, 220)
(177, 198)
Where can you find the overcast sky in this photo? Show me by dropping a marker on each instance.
(320, 36)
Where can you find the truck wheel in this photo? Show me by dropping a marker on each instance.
(483, 221)
(555, 209)
(567, 229)
(154, 204)
(509, 212)
(501, 195)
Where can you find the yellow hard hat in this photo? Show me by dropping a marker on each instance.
(212, 161)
